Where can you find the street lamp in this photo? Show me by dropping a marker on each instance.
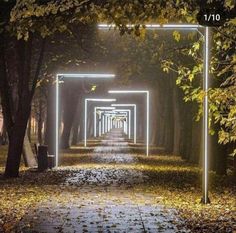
(205, 132)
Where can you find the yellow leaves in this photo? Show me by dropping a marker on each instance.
(230, 4)
(226, 44)
(165, 69)
(233, 21)
(176, 35)
(142, 33)
(196, 46)
(93, 88)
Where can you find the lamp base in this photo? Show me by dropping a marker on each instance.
(203, 201)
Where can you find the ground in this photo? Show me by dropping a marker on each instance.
(111, 188)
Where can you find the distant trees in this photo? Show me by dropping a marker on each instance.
(22, 49)
(32, 38)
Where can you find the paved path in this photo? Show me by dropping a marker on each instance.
(103, 199)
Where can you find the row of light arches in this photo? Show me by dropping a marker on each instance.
(205, 36)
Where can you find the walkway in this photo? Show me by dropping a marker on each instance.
(103, 199)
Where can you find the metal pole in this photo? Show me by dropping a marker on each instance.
(103, 124)
(100, 125)
(147, 149)
(57, 121)
(135, 124)
(129, 124)
(95, 122)
(205, 198)
(85, 123)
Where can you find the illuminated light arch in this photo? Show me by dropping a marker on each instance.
(59, 78)
(135, 117)
(205, 35)
(86, 112)
(147, 107)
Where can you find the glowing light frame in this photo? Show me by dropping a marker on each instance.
(86, 113)
(135, 117)
(129, 122)
(147, 107)
(205, 198)
(77, 76)
(112, 113)
(95, 116)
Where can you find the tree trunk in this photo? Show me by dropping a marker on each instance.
(50, 121)
(77, 125)
(16, 138)
(218, 154)
(70, 103)
(154, 119)
(169, 139)
(29, 128)
(28, 155)
(40, 122)
(176, 111)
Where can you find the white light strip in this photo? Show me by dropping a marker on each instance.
(205, 117)
(127, 91)
(85, 122)
(57, 123)
(147, 149)
(108, 108)
(148, 109)
(81, 75)
(95, 122)
(152, 26)
(98, 100)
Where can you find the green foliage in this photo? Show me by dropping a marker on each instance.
(222, 94)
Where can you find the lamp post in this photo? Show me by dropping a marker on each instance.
(205, 132)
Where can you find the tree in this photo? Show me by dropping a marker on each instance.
(26, 24)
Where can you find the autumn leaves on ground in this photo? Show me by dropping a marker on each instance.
(155, 180)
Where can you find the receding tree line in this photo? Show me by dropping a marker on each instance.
(38, 39)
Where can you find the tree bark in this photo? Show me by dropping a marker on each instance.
(177, 123)
(16, 138)
(50, 120)
(40, 122)
(218, 153)
(70, 103)
(28, 155)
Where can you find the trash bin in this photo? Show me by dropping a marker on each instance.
(42, 158)
(51, 161)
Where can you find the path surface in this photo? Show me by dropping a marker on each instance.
(103, 199)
